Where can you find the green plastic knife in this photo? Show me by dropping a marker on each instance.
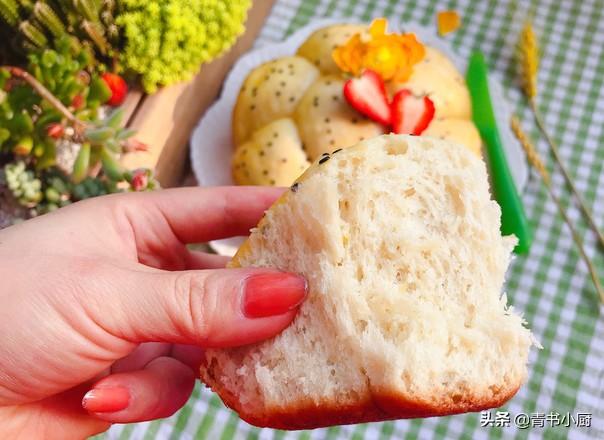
(513, 219)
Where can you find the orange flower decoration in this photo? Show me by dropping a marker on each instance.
(392, 56)
(349, 57)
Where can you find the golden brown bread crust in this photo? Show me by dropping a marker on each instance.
(380, 406)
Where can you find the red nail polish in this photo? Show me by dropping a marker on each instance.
(271, 294)
(106, 400)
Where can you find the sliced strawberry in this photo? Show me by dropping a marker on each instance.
(410, 114)
(367, 95)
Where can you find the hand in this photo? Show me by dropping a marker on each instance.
(102, 301)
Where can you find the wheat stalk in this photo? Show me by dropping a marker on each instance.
(529, 57)
(555, 152)
(534, 159)
(531, 153)
(529, 61)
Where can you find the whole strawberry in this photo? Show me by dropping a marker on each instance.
(118, 88)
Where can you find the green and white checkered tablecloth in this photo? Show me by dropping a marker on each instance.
(551, 285)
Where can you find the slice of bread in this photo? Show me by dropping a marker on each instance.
(400, 243)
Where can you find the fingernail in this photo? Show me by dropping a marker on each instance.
(272, 294)
(106, 400)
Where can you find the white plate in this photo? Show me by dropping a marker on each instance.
(211, 142)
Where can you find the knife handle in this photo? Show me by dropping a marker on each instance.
(513, 218)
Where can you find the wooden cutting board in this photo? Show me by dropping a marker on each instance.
(165, 120)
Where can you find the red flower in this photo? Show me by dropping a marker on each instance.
(55, 130)
(77, 102)
(118, 88)
(140, 180)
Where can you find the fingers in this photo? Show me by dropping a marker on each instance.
(189, 355)
(202, 260)
(207, 308)
(141, 356)
(156, 391)
(198, 215)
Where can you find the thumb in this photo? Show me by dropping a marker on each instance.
(208, 308)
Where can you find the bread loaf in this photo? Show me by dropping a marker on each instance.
(320, 45)
(436, 76)
(271, 157)
(459, 131)
(271, 91)
(400, 243)
(326, 122)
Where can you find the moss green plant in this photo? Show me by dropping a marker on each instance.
(165, 42)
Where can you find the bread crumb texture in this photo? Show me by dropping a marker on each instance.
(400, 242)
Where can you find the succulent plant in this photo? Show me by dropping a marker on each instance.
(48, 18)
(31, 124)
(61, 151)
(165, 42)
(38, 23)
(162, 42)
(22, 182)
(90, 187)
(9, 12)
